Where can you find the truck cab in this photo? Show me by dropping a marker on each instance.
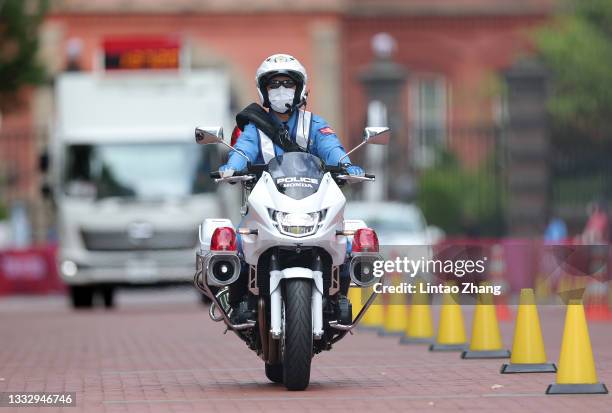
(129, 184)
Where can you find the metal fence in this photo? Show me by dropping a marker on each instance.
(20, 183)
(580, 172)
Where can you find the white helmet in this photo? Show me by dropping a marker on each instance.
(281, 64)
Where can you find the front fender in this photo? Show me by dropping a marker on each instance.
(275, 298)
(296, 272)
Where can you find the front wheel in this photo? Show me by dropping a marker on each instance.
(297, 334)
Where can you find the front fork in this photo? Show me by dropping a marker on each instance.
(276, 275)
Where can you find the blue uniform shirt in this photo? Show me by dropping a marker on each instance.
(323, 143)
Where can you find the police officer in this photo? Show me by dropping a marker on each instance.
(281, 84)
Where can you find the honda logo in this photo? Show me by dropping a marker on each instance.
(140, 231)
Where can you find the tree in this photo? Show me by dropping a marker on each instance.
(577, 46)
(19, 23)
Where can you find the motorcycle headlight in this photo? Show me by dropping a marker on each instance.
(297, 224)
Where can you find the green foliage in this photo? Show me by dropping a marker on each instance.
(459, 200)
(19, 23)
(578, 49)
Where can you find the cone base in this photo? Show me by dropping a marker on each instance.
(485, 354)
(528, 368)
(596, 388)
(448, 347)
(384, 333)
(416, 340)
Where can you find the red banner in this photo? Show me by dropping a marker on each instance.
(31, 270)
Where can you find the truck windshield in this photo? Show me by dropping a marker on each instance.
(151, 170)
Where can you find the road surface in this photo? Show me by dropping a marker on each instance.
(159, 352)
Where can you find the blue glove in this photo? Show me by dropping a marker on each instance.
(355, 170)
(226, 170)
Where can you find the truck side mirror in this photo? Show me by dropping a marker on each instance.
(209, 135)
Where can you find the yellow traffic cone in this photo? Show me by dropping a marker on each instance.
(354, 296)
(374, 316)
(528, 354)
(395, 313)
(486, 340)
(395, 320)
(419, 328)
(451, 329)
(576, 374)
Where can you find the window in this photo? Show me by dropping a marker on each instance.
(428, 118)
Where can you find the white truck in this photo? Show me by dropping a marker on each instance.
(129, 184)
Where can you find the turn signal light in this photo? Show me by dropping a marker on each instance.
(223, 239)
(365, 240)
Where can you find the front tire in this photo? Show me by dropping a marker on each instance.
(297, 339)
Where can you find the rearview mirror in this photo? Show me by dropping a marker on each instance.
(377, 135)
(209, 135)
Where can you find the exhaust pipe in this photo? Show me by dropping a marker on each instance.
(204, 288)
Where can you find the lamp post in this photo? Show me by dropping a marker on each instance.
(383, 81)
(527, 148)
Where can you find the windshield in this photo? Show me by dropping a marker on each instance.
(296, 174)
(151, 170)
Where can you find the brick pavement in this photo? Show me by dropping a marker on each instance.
(169, 357)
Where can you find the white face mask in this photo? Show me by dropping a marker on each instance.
(280, 97)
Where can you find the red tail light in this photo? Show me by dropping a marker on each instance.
(235, 135)
(365, 240)
(223, 239)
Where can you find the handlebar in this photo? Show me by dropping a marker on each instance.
(249, 170)
(341, 176)
(252, 172)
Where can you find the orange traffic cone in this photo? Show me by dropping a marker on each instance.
(486, 340)
(596, 306)
(576, 374)
(528, 355)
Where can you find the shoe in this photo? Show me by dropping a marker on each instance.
(242, 313)
(344, 310)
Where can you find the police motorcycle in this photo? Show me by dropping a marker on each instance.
(294, 247)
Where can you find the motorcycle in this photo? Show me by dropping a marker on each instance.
(292, 245)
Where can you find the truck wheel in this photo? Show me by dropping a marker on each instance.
(81, 296)
(274, 372)
(296, 347)
(108, 296)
